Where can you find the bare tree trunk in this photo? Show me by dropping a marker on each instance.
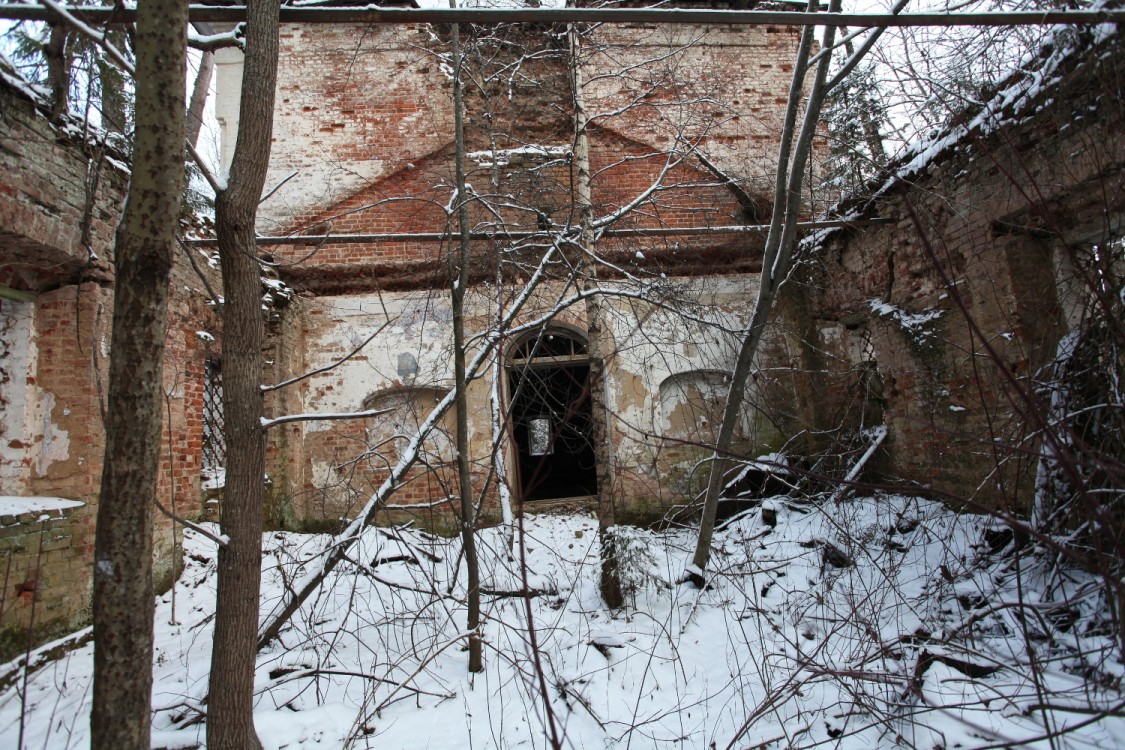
(58, 69)
(459, 273)
(609, 578)
(230, 717)
(776, 260)
(199, 97)
(145, 246)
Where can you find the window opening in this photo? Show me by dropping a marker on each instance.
(540, 440)
(214, 459)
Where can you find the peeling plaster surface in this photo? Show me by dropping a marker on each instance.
(417, 326)
(18, 354)
(411, 352)
(29, 439)
(56, 441)
(652, 345)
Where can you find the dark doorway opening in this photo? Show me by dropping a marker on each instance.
(549, 382)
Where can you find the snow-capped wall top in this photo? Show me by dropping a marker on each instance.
(11, 76)
(1026, 91)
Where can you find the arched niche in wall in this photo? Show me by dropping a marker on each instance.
(407, 408)
(552, 427)
(691, 405)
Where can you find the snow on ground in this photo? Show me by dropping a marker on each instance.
(876, 622)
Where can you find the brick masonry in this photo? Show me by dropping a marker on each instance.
(991, 220)
(364, 134)
(839, 354)
(60, 199)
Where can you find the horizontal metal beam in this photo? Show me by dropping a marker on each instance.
(365, 239)
(493, 16)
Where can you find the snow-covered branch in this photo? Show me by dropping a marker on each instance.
(324, 417)
(212, 42)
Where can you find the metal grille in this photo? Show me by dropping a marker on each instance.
(214, 444)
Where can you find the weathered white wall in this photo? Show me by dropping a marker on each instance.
(19, 403)
(412, 349)
(228, 97)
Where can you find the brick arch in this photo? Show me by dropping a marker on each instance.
(514, 348)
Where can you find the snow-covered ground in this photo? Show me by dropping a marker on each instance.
(875, 622)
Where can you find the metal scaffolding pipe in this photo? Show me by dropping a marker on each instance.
(363, 239)
(491, 16)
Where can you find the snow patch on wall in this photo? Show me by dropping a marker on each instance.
(917, 325)
(13, 506)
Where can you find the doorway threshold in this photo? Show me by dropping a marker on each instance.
(562, 505)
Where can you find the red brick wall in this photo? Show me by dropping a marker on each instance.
(365, 114)
(995, 216)
(724, 88)
(413, 201)
(43, 189)
(354, 104)
(44, 179)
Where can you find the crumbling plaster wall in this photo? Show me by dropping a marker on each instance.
(54, 350)
(329, 475)
(19, 354)
(877, 318)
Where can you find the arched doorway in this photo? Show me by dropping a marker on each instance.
(549, 387)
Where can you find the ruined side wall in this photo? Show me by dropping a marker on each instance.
(878, 321)
(54, 350)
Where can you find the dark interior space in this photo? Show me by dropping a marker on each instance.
(552, 424)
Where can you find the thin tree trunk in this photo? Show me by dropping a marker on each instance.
(776, 260)
(610, 574)
(230, 717)
(58, 69)
(459, 274)
(199, 97)
(145, 246)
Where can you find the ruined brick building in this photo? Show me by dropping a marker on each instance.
(683, 137)
(684, 128)
(966, 320)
